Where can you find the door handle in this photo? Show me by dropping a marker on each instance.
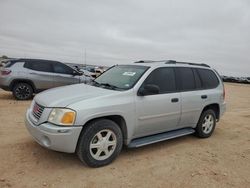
(174, 100)
(204, 96)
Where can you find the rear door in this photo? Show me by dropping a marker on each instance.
(192, 94)
(159, 112)
(40, 72)
(63, 75)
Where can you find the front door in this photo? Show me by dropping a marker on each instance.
(159, 112)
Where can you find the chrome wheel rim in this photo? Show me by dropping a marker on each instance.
(22, 92)
(208, 124)
(103, 144)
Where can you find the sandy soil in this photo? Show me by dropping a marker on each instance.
(220, 161)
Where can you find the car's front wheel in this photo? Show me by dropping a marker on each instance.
(22, 91)
(100, 143)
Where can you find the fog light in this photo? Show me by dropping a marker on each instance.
(46, 141)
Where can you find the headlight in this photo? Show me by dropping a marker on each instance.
(62, 116)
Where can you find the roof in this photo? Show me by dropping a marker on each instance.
(31, 59)
(170, 62)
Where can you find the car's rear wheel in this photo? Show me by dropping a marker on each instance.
(22, 91)
(100, 143)
(206, 124)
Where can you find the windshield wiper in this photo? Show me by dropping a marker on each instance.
(106, 85)
(109, 85)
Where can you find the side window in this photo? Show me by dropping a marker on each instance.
(9, 64)
(164, 78)
(62, 69)
(208, 78)
(43, 66)
(197, 79)
(187, 81)
(27, 65)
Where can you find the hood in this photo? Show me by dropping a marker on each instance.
(66, 95)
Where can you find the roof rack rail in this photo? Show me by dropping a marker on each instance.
(173, 62)
(152, 61)
(145, 61)
(187, 63)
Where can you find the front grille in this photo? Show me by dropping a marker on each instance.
(37, 111)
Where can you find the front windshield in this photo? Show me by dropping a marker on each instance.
(121, 77)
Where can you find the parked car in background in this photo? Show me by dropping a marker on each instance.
(27, 76)
(248, 79)
(87, 73)
(132, 105)
(92, 71)
(242, 80)
(98, 71)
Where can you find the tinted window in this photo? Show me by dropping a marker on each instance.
(62, 69)
(9, 64)
(164, 78)
(208, 78)
(186, 77)
(197, 79)
(44, 66)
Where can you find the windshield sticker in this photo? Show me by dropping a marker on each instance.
(127, 85)
(129, 73)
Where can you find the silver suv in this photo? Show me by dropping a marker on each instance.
(132, 105)
(27, 76)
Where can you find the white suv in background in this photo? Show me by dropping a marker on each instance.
(27, 76)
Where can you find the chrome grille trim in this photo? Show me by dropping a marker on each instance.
(37, 111)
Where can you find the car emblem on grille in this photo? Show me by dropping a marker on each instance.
(36, 109)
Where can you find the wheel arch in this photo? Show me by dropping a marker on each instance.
(15, 81)
(215, 107)
(118, 119)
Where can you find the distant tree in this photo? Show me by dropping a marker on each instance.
(4, 57)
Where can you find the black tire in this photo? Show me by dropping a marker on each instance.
(89, 135)
(202, 131)
(22, 91)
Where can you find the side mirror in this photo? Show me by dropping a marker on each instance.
(76, 73)
(149, 89)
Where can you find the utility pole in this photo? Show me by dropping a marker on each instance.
(85, 63)
(85, 57)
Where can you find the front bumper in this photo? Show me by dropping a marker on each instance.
(53, 137)
(4, 83)
(6, 88)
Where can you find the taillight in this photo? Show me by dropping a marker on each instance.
(5, 72)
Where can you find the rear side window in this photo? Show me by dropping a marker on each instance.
(164, 78)
(9, 64)
(208, 78)
(43, 66)
(62, 69)
(197, 79)
(186, 77)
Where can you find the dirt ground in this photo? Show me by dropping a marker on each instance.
(223, 160)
